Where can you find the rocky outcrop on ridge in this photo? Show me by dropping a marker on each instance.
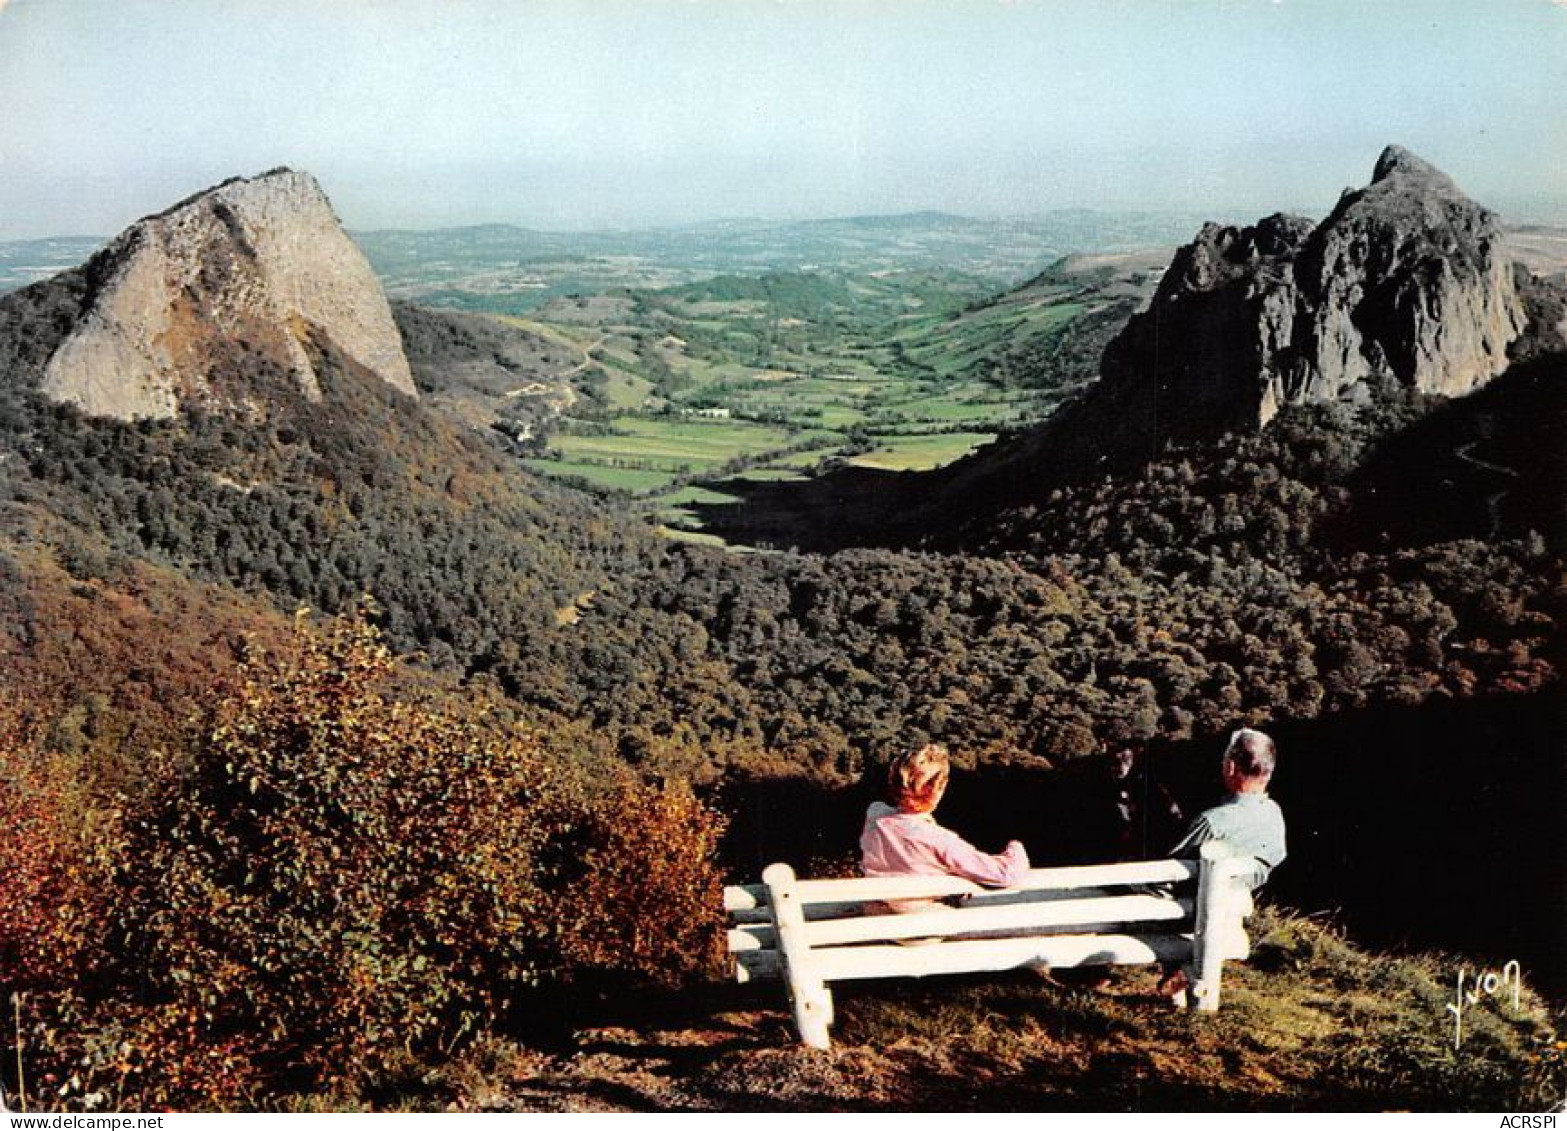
(1407, 280)
(1406, 284)
(224, 301)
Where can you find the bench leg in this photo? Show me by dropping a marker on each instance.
(1206, 994)
(813, 1014)
(809, 994)
(1221, 903)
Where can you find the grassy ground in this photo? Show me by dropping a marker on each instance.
(685, 496)
(626, 391)
(921, 453)
(671, 445)
(1309, 1023)
(679, 534)
(632, 480)
(805, 459)
(964, 402)
(950, 347)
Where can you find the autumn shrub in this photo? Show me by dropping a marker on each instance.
(346, 876)
(93, 1053)
(56, 858)
(49, 906)
(635, 889)
(341, 876)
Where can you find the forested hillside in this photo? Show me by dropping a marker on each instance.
(1243, 579)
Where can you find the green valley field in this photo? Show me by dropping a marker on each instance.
(784, 374)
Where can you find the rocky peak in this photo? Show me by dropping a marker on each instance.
(225, 300)
(1405, 281)
(1395, 160)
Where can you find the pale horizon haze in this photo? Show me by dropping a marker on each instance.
(612, 113)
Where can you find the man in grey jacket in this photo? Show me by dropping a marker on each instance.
(1248, 820)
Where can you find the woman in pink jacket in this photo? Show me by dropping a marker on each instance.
(902, 838)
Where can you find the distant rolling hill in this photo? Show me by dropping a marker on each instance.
(1540, 248)
(514, 269)
(27, 261)
(1046, 334)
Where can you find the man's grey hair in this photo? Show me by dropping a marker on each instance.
(1251, 753)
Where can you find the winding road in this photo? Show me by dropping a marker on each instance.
(1493, 502)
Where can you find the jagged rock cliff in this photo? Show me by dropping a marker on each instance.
(220, 302)
(1406, 283)
(1406, 280)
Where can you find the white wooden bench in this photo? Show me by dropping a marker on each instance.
(808, 933)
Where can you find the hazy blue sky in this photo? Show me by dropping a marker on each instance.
(583, 113)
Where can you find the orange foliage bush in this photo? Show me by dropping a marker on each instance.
(49, 889)
(343, 875)
(641, 893)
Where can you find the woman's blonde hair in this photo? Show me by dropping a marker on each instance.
(916, 778)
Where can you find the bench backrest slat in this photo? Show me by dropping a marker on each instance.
(743, 897)
(1032, 917)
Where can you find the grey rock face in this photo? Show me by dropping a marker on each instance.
(220, 301)
(1406, 280)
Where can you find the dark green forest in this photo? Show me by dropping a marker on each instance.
(1270, 576)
